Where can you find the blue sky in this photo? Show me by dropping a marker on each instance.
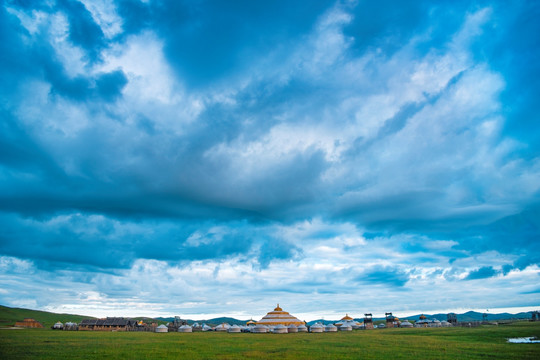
(203, 158)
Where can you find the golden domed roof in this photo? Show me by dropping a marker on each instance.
(422, 317)
(347, 318)
(279, 317)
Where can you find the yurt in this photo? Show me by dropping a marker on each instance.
(71, 326)
(302, 328)
(346, 326)
(185, 329)
(280, 329)
(406, 324)
(58, 326)
(162, 329)
(251, 323)
(381, 326)
(356, 325)
(445, 324)
(206, 327)
(292, 328)
(330, 328)
(234, 329)
(316, 328)
(344, 319)
(259, 329)
(279, 317)
(222, 327)
(196, 327)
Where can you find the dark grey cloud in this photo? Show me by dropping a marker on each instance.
(482, 273)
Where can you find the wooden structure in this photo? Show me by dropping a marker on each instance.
(535, 316)
(29, 323)
(368, 321)
(452, 318)
(389, 320)
(108, 324)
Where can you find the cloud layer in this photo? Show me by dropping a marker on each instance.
(268, 151)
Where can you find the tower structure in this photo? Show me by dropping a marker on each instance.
(389, 320)
(368, 321)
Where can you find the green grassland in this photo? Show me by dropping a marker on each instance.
(485, 342)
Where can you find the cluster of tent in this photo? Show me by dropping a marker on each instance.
(260, 328)
(67, 326)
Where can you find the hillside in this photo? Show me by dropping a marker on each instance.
(8, 316)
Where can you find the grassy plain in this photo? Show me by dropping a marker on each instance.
(486, 342)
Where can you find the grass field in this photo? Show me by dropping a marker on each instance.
(487, 342)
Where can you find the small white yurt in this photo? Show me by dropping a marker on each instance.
(259, 329)
(346, 326)
(222, 327)
(280, 329)
(381, 326)
(292, 328)
(406, 324)
(206, 327)
(185, 329)
(302, 328)
(316, 328)
(234, 329)
(162, 329)
(445, 324)
(58, 326)
(330, 328)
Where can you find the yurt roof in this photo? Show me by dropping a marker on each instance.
(162, 327)
(278, 316)
(347, 318)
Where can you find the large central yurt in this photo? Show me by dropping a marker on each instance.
(279, 317)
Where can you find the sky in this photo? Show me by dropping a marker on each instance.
(210, 158)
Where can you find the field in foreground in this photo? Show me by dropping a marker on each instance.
(436, 343)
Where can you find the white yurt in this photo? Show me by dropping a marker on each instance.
(345, 327)
(234, 329)
(259, 329)
(445, 324)
(381, 326)
(292, 328)
(162, 329)
(330, 328)
(316, 328)
(58, 326)
(343, 320)
(222, 327)
(206, 327)
(185, 329)
(280, 329)
(406, 324)
(302, 328)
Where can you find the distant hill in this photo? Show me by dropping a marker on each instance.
(8, 316)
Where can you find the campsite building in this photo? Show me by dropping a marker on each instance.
(108, 324)
(29, 323)
(279, 317)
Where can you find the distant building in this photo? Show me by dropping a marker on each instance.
(108, 324)
(279, 317)
(368, 321)
(29, 323)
